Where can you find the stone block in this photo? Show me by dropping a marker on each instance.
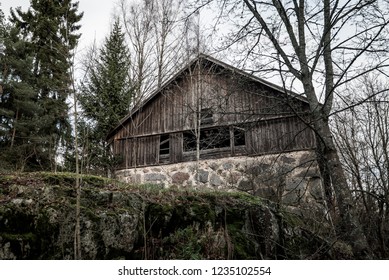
(233, 177)
(134, 178)
(308, 172)
(291, 197)
(215, 180)
(214, 166)
(270, 180)
(316, 188)
(246, 185)
(227, 165)
(306, 159)
(258, 169)
(296, 183)
(152, 177)
(266, 192)
(203, 176)
(180, 177)
(288, 160)
(295, 190)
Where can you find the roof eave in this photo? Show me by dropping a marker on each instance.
(188, 65)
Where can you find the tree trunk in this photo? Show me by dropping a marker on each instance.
(348, 227)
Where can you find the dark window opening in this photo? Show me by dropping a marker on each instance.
(164, 145)
(189, 141)
(215, 138)
(206, 116)
(239, 137)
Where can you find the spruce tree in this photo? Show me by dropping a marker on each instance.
(19, 111)
(50, 27)
(106, 97)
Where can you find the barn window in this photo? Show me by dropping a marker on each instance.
(164, 145)
(214, 138)
(239, 136)
(189, 141)
(206, 116)
(164, 148)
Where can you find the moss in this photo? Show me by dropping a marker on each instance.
(25, 237)
(152, 188)
(183, 244)
(245, 197)
(242, 249)
(341, 250)
(95, 181)
(91, 214)
(203, 212)
(5, 181)
(180, 223)
(155, 209)
(291, 219)
(69, 179)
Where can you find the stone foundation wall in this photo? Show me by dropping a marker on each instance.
(290, 178)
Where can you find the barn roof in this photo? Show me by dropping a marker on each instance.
(211, 61)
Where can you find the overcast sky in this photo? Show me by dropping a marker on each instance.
(95, 23)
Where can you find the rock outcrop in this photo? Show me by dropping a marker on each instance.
(118, 221)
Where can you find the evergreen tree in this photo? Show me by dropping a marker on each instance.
(50, 28)
(19, 111)
(106, 97)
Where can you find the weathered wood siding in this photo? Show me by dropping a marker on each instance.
(279, 135)
(138, 151)
(176, 108)
(264, 113)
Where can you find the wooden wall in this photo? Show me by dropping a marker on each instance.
(265, 114)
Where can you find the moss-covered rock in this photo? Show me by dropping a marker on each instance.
(37, 221)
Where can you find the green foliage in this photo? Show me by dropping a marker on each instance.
(19, 111)
(186, 244)
(36, 74)
(105, 99)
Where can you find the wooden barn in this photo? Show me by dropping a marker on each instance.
(211, 110)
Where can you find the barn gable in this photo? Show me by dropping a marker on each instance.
(214, 109)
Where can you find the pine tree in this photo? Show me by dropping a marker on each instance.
(50, 28)
(19, 111)
(106, 97)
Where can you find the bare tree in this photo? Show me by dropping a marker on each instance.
(168, 37)
(363, 139)
(154, 31)
(322, 46)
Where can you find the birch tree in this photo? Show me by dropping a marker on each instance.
(154, 32)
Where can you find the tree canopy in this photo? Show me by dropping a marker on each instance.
(39, 49)
(106, 95)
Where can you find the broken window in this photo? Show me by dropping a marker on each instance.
(189, 141)
(164, 145)
(214, 138)
(239, 136)
(164, 148)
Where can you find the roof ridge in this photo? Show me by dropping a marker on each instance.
(186, 66)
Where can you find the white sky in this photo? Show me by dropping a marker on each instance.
(95, 22)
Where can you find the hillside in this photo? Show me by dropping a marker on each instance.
(118, 221)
